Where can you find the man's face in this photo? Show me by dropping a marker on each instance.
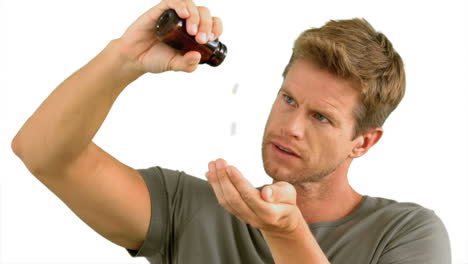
(312, 116)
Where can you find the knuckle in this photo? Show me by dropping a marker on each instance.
(283, 219)
(217, 26)
(194, 13)
(194, 18)
(271, 220)
(217, 20)
(203, 9)
(177, 4)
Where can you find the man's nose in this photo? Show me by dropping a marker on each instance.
(294, 126)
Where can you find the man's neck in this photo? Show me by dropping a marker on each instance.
(329, 200)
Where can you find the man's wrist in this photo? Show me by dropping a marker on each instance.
(127, 67)
(297, 229)
(295, 246)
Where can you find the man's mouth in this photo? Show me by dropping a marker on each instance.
(284, 151)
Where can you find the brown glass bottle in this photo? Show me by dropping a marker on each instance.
(171, 30)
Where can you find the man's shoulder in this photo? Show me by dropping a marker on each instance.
(407, 216)
(410, 231)
(394, 207)
(388, 231)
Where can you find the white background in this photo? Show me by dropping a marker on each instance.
(182, 121)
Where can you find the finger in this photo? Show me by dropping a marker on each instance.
(231, 195)
(216, 29)
(187, 63)
(216, 169)
(179, 6)
(204, 28)
(211, 169)
(220, 164)
(276, 215)
(279, 192)
(213, 180)
(193, 20)
(249, 194)
(216, 189)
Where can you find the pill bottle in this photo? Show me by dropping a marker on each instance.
(171, 29)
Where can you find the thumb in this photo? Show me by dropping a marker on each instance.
(279, 192)
(187, 63)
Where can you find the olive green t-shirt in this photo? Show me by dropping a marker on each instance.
(188, 226)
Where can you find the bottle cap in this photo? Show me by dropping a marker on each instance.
(218, 55)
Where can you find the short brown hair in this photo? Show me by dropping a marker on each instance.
(353, 50)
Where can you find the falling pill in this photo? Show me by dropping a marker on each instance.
(233, 128)
(234, 89)
(233, 124)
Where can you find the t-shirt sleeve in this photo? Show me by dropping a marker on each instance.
(423, 240)
(175, 198)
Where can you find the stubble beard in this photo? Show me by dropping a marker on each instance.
(301, 177)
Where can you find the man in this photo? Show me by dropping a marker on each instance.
(341, 83)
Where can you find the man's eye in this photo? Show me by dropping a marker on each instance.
(321, 118)
(288, 99)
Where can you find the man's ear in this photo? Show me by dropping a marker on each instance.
(365, 141)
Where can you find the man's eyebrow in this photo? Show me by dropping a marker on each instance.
(284, 89)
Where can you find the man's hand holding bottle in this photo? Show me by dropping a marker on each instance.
(143, 51)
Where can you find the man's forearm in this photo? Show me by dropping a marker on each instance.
(65, 123)
(297, 247)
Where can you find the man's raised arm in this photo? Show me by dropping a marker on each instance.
(56, 144)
